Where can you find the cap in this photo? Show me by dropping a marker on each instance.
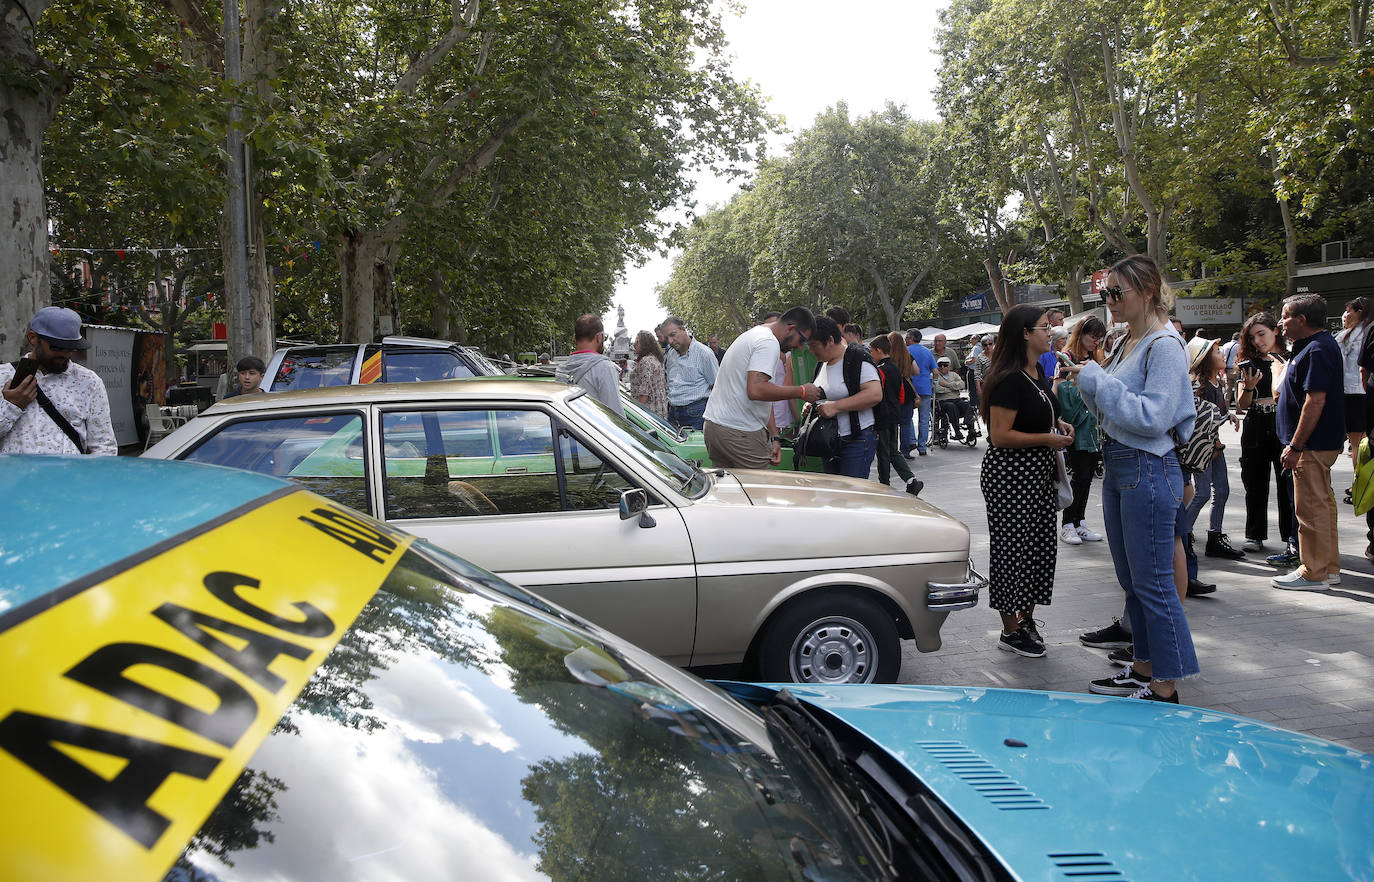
(944, 359)
(61, 327)
(1198, 347)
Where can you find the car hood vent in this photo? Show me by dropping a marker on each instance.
(994, 785)
(1086, 866)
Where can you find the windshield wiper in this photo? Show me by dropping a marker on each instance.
(789, 719)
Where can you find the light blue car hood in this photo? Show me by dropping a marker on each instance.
(1235, 798)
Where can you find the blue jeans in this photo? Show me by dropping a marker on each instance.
(908, 427)
(856, 455)
(691, 415)
(923, 438)
(1141, 497)
(1214, 482)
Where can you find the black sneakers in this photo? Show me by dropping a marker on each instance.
(1111, 637)
(1022, 643)
(1032, 627)
(1220, 546)
(1148, 694)
(1124, 682)
(914, 486)
(1123, 656)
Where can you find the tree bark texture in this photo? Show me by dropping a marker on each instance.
(27, 104)
(359, 253)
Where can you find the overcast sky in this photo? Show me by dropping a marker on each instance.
(806, 55)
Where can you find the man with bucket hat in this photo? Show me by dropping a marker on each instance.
(52, 405)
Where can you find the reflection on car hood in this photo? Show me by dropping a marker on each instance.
(1095, 773)
(813, 490)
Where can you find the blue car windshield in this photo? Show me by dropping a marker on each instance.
(453, 734)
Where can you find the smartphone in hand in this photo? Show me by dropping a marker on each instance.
(26, 368)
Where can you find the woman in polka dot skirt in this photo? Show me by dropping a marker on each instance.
(1018, 477)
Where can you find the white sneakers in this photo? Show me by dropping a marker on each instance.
(1071, 535)
(1088, 535)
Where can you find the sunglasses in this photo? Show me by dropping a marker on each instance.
(1113, 293)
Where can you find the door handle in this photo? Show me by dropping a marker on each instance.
(517, 470)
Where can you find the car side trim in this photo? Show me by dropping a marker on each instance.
(823, 564)
(532, 578)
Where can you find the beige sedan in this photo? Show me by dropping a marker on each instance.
(808, 578)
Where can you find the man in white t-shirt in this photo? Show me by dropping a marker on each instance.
(739, 427)
(859, 442)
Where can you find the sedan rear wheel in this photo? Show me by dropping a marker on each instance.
(831, 639)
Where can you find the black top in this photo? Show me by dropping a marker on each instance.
(1033, 400)
(1265, 389)
(1366, 360)
(1213, 392)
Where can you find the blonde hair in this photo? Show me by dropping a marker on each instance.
(1142, 274)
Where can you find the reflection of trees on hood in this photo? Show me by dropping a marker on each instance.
(238, 823)
(644, 801)
(413, 612)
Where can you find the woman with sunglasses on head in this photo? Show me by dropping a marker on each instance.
(1263, 360)
(1143, 400)
(1018, 477)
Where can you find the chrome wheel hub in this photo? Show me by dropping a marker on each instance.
(833, 650)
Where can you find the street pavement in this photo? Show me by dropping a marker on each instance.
(1300, 660)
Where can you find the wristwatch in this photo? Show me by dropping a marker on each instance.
(776, 439)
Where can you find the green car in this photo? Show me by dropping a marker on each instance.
(690, 444)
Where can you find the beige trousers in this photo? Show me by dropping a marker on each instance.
(1315, 506)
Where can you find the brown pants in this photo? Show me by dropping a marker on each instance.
(1315, 506)
(733, 449)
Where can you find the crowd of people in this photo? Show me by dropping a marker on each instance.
(1063, 408)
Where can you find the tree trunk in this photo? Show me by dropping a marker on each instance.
(26, 108)
(439, 306)
(1073, 291)
(384, 287)
(359, 254)
(260, 67)
(1001, 287)
(1290, 230)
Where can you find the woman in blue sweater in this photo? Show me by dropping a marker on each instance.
(1143, 398)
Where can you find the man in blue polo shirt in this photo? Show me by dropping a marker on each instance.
(691, 370)
(923, 368)
(1311, 423)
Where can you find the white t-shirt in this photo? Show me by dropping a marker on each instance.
(831, 380)
(730, 405)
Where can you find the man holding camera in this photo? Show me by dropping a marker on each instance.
(52, 405)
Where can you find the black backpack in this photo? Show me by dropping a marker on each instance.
(885, 412)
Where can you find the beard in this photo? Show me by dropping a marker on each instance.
(52, 364)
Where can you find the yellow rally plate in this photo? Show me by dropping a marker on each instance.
(130, 707)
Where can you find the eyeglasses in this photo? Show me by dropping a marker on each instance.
(1044, 327)
(1113, 293)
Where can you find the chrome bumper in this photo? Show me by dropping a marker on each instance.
(949, 596)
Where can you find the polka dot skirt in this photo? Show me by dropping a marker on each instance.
(1018, 488)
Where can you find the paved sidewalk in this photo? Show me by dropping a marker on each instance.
(1301, 660)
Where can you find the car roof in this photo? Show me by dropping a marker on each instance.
(474, 388)
(98, 517)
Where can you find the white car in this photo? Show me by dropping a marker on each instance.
(810, 578)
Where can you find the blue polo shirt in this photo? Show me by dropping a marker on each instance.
(1316, 366)
(925, 360)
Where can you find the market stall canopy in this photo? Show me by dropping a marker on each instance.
(974, 330)
(1099, 311)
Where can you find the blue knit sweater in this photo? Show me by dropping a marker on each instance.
(1138, 399)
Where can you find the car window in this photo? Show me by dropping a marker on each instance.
(653, 452)
(315, 368)
(411, 367)
(465, 463)
(322, 451)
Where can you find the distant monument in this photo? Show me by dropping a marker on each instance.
(620, 345)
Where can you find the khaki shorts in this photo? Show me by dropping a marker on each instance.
(735, 449)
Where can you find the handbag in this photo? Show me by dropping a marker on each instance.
(819, 436)
(1063, 491)
(1196, 454)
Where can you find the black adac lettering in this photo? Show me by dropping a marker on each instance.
(225, 586)
(106, 670)
(255, 657)
(357, 534)
(121, 800)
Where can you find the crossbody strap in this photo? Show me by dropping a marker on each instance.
(56, 416)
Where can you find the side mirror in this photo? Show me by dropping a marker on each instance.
(636, 502)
